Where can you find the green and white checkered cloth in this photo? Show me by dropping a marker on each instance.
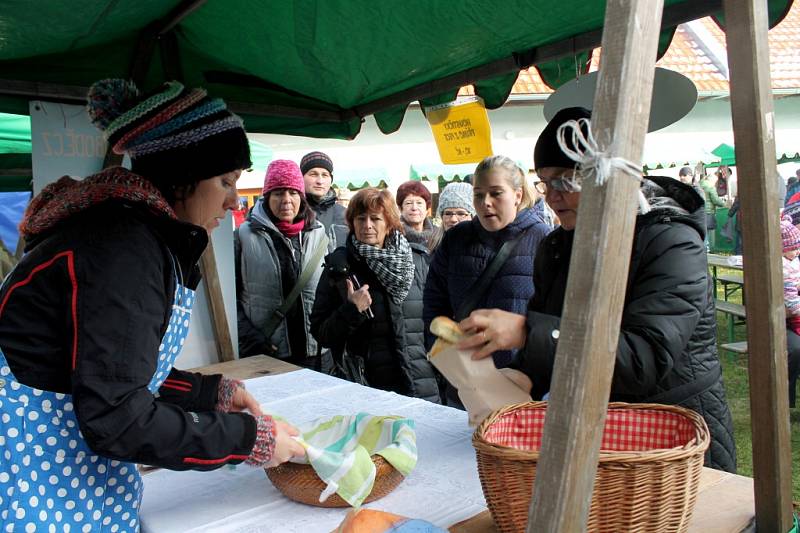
(340, 449)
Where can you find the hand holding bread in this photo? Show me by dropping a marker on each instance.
(447, 332)
(481, 387)
(492, 330)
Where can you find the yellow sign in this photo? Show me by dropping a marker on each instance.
(461, 130)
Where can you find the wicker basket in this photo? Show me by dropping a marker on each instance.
(301, 484)
(647, 477)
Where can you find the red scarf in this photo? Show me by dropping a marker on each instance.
(290, 229)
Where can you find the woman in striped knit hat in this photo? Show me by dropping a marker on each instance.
(95, 314)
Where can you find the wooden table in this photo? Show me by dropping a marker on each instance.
(249, 367)
(718, 260)
(725, 502)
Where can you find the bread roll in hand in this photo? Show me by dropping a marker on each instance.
(482, 388)
(448, 334)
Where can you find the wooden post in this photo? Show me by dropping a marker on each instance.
(753, 128)
(596, 291)
(216, 305)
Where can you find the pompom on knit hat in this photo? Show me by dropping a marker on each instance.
(414, 188)
(283, 174)
(456, 196)
(547, 152)
(173, 135)
(790, 235)
(316, 160)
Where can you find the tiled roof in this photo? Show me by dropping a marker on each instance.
(686, 55)
(528, 82)
(784, 48)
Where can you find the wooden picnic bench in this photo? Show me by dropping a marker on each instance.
(735, 347)
(730, 282)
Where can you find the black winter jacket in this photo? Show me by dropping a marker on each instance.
(331, 215)
(392, 342)
(114, 260)
(667, 346)
(327, 210)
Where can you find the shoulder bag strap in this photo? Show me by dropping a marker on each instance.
(276, 318)
(481, 285)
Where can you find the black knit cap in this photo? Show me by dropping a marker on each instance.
(547, 153)
(219, 154)
(316, 160)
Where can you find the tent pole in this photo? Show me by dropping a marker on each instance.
(595, 293)
(216, 304)
(753, 128)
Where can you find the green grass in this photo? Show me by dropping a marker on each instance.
(734, 369)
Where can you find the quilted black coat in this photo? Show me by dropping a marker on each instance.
(391, 343)
(667, 345)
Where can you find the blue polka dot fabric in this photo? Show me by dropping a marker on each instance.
(50, 480)
(174, 337)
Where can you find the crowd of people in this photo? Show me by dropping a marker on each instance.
(494, 263)
(362, 310)
(111, 267)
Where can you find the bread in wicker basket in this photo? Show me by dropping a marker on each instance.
(648, 483)
(300, 483)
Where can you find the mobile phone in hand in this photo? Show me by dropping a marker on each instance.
(356, 285)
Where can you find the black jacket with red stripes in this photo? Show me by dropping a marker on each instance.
(84, 313)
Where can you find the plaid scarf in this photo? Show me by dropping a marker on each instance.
(393, 264)
(66, 197)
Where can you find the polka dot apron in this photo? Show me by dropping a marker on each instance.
(50, 480)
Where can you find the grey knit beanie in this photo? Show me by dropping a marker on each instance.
(456, 196)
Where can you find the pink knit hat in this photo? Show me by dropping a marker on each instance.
(790, 235)
(283, 174)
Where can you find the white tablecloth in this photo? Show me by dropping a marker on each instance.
(443, 489)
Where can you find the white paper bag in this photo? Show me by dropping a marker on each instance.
(482, 388)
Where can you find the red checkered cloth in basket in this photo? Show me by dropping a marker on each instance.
(625, 430)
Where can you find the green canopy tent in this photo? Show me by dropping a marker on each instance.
(309, 67)
(727, 156)
(15, 134)
(261, 155)
(15, 153)
(442, 174)
(361, 177)
(15, 173)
